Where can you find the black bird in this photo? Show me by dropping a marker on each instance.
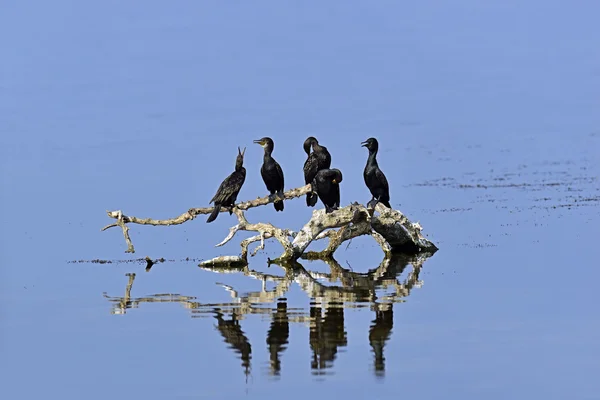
(271, 173)
(317, 160)
(374, 178)
(327, 186)
(227, 193)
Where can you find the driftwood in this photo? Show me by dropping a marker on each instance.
(390, 229)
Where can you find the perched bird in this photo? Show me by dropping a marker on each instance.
(374, 177)
(271, 173)
(227, 193)
(317, 160)
(327, 186)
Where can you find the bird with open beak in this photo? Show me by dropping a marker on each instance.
(230, 187)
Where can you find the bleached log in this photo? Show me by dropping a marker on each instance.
(390, 229)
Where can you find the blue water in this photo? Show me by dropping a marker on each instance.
(487, 118)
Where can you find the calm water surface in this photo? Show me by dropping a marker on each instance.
(487, 117)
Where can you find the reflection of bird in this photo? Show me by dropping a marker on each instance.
(379, 334)
(374, 177)
(232, 333)
(228, 190)
(271, 173)
(278, 335)
(327, 186)
(317, 160)
(326, 335)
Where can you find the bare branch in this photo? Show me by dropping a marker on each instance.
(256, 238)
(265, 230)
(246, 242)
(120, 222)
(391, 229)
(193, 212)
(232, 231)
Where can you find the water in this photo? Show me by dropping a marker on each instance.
(487, 118)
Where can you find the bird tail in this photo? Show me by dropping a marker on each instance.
(386, 203)
(311, 199)
(213, 215)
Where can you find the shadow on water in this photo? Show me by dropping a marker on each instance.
(379, 289)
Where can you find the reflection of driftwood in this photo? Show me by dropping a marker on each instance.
(355, 287)
(325, 318)
(121, 304)
(391, 229)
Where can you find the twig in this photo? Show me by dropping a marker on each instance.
(121, 223)
(262, 244)
(246, 242)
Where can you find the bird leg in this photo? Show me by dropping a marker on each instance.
(230, 208)
(372, 203)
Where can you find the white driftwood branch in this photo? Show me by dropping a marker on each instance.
(123, 220)
(193, 212)
(390, 229)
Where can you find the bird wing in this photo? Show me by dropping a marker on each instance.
(218, 194)
(280, 172)
(335, 194)
(381, 178)
(272, 176)
(324, 158)
(311, 167)
(230, 186)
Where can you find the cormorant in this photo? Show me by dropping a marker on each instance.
(327, 186)
(271, 173)
(374, 177)
(227, 193)
(317, 160)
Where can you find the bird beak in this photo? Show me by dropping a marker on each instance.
(243, 152)
(258, 142)
(364, 144)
